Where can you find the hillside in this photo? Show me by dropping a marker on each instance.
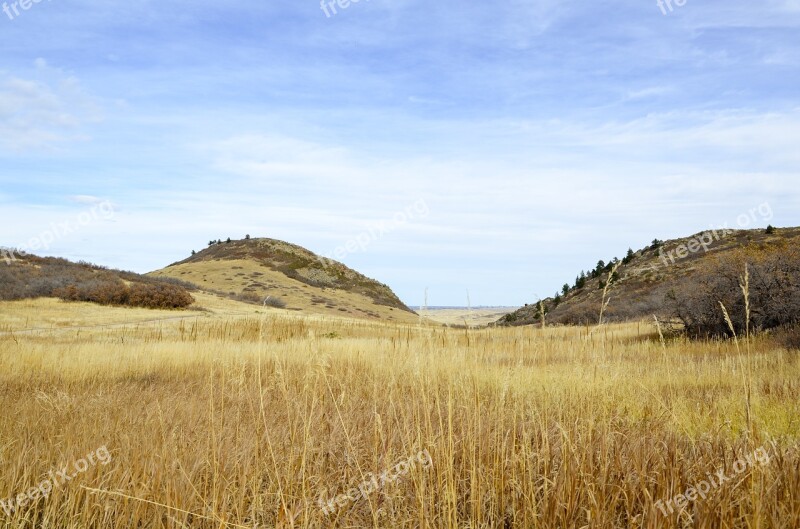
(29, 277)
(288, 276)
(653, 280)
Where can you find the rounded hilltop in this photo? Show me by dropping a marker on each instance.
(255, 269)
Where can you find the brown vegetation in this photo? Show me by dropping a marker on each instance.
(773, 286)
(33, 277)
(686, 291)
(151, 296)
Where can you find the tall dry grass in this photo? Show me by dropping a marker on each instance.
(249, 421)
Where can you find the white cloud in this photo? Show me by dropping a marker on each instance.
(44, 111)
(86, 199)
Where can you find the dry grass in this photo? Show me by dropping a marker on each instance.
(478, 317)
(248, 420)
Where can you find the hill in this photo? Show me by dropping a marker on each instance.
(28, 277)
(287, 275)
(669, 279)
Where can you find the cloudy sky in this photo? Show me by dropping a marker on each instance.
(495, 147)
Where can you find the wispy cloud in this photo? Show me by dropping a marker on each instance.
(43, 111)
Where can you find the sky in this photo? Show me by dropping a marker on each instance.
(483, 149)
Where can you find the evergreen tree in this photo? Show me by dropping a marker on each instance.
(629, 256)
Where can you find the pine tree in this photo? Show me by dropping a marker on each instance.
(629, 256)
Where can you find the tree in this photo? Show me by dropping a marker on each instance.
(212, 243)
(770, 229)
(565, 289)
(601, 265)
(229, 239)
(657, 243)
(247, 237)
(193, 252)
(629, 256)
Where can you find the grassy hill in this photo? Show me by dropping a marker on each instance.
(288, 276)
(653, 280)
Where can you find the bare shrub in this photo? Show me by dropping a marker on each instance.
(276, 303)
(774, 292)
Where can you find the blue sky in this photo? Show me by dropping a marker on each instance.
(540, 135)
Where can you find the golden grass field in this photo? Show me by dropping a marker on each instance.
(240, 417)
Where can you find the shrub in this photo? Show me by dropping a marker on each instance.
(774, 290)
(246, 297)
(151, 296)
(35, 277)
(160, 296)
(274, 302)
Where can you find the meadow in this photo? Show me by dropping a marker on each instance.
(240, 417)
